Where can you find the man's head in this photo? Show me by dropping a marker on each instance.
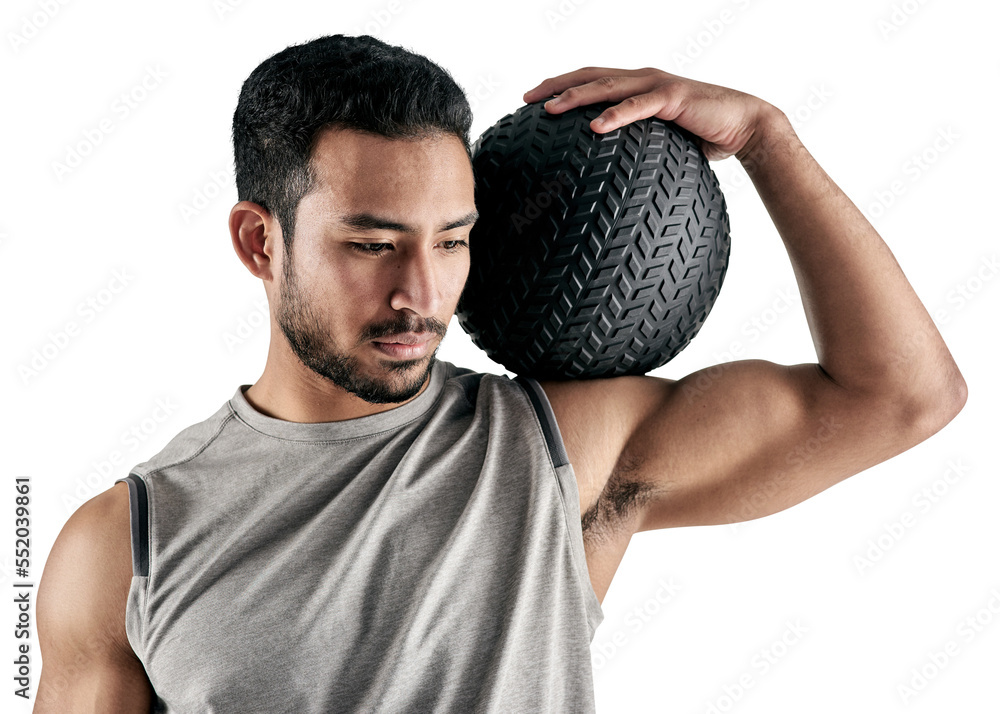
(360, 149)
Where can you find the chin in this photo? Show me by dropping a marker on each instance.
(393, 381)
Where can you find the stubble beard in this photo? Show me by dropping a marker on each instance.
(310, 342)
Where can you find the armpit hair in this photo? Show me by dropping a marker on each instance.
(622, 500)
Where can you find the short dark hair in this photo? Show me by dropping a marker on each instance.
(359, 83)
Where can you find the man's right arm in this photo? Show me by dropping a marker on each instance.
(88, 663)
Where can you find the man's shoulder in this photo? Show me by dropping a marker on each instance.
(189, 441)
(90, 564)
(476, 385)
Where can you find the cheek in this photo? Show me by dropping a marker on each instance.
(349, 282)
(337, 293)
(457, 281)
(354, 285)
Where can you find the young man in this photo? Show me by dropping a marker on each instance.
(367, 528)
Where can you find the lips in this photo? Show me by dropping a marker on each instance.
(409, 346)
(407, 338)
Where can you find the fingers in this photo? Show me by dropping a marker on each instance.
(633, 108)
(636, 102)
(559, 83)
(555, 85)
(717, 115)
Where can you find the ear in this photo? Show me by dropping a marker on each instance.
(256, 236)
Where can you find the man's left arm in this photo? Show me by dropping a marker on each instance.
(750, 438)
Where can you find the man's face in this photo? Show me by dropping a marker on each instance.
(380, 253)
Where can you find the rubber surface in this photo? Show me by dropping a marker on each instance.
(595, 255)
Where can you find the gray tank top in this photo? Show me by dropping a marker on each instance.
(427, 559)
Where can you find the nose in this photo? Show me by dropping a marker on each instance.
(417, 283)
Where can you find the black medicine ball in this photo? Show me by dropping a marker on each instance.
(595, 255)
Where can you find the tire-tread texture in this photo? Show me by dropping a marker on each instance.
(595, 255)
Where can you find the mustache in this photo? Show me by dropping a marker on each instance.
(406, 323)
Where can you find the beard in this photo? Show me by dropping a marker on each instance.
(310, 342)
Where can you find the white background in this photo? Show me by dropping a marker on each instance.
(871, 86)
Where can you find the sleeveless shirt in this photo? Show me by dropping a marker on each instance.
(428, 558)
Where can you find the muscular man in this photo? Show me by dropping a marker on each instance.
(368, 528)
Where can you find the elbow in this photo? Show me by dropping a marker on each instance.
(951, 398)
(925, 414)
(959, 393)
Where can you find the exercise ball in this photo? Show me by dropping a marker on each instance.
(595, 255)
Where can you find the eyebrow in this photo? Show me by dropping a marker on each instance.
(370, 222)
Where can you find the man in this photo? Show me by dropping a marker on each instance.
(367, 528)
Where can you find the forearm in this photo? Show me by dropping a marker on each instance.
(871, 332)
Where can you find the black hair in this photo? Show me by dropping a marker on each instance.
(359, 83)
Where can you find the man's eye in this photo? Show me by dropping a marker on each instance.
(450, 246)
(370, 248)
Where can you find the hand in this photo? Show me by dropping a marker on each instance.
(728, 122)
